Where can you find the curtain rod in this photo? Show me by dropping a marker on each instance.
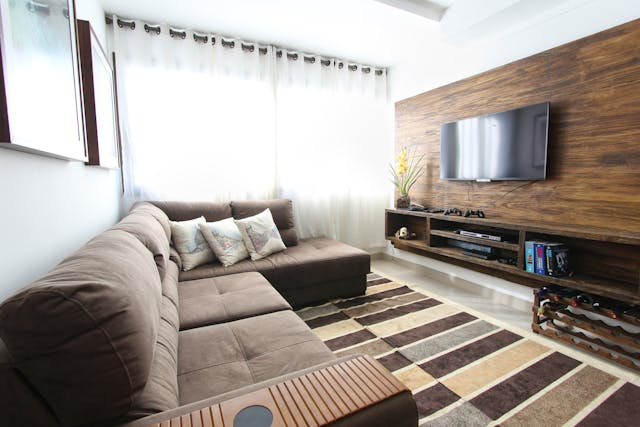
(246, 46)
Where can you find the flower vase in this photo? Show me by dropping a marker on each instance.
(403, 201)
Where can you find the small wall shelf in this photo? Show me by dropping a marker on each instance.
(605, 261)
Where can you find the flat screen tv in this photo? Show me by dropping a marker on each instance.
(510, 145)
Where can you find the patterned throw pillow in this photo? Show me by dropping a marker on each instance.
(260, 235)
(190, 243)
(225, 240)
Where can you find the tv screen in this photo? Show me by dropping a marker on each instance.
(510, 145)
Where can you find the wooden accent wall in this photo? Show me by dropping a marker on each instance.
(593, 168)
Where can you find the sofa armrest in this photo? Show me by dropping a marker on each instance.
(354, 390)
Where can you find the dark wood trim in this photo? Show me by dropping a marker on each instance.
(85, 58)
(5, 132)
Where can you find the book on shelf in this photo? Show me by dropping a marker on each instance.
(540, 258)
(528, 257)
(557, 255)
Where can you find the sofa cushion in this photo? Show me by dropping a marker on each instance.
(225, 240)
(161, 391)
(184, 211)
(244, 352)
(190, 243)
(312, 261)
(150, 233)
(260, 235)
(83, 335)
(157, 213)
(226, 298)
(281, 210)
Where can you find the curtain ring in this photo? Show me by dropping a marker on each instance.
(148, 28)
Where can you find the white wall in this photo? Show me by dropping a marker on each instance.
(438, 63)
(51, 207)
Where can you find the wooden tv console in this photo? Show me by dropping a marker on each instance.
(605, 262)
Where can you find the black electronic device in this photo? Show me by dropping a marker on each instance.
(434, 210)
(453, 211)
(493, 146)
(478, 213)
(416, 207)
(480, 255)
(471, 247)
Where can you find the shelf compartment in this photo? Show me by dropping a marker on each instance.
(476, 240)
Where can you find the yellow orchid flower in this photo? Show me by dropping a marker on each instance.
(406, 172)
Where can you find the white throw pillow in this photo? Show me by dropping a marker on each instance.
(226, 241)
(260, 235)
(190, 243)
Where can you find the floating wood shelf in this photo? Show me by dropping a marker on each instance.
(605, 261)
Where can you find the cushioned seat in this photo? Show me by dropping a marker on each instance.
(244, 352)
(222, 299)
(311, 262)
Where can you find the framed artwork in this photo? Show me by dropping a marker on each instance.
(99, 99)
(40, 101)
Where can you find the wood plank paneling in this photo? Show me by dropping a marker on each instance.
(593, 169)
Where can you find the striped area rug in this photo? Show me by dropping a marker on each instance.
(466, 370)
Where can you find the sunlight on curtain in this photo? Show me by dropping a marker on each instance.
(204, 121)
(335, 138)
(332, 158)
(194, 137)
(197, 119)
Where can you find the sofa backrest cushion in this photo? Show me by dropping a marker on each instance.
(83, 336)
(281, 210)
(150, 233)
(184, 211)
(155, 212)
(161, 391)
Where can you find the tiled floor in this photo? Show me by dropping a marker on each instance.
(490, 302)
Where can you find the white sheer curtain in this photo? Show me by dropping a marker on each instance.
(197, 118)
(204, 121)
(334, 142)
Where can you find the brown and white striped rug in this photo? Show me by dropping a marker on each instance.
(466, 369)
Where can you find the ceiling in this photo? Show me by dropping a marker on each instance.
(374, 32)
(366, 31)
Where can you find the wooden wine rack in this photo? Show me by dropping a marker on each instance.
(553, 318)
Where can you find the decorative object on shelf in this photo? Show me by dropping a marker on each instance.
(98, 94)
(405, 174)
(404, 234)
(40, 102)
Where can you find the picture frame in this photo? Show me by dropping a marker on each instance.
(40, 95)
(99, 100)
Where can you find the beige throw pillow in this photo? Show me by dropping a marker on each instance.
(226, 241)
(260, 234)
(190, 243)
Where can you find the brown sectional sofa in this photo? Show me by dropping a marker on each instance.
(115, 334)
(309, 270)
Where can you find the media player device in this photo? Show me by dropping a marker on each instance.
(480, 235)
